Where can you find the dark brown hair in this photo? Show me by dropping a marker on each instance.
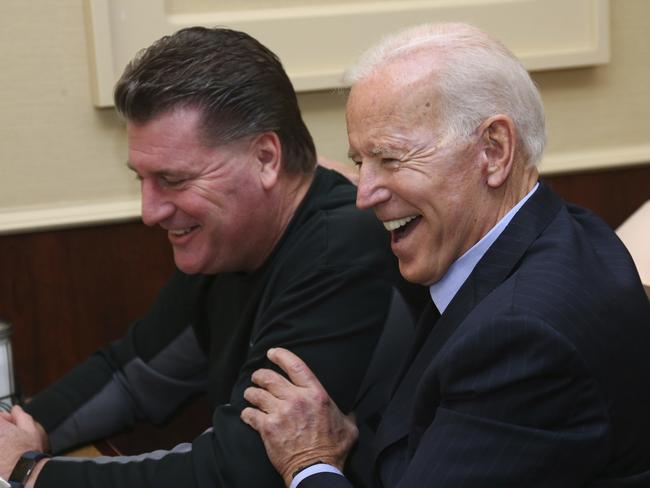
(238, 84)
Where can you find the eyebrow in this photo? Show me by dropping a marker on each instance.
(375, 151)
(161, 173)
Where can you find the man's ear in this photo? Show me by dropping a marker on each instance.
(267, 153)
(498, 140)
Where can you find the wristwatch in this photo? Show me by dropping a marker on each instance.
(24, 468)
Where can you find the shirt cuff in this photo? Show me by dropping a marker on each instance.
(315, 469)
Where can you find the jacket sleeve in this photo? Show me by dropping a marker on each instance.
(325, 480)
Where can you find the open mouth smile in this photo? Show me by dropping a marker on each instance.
(400, 228)
(182, 232)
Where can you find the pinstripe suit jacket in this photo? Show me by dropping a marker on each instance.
(536, 375)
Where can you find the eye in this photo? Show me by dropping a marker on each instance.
(355, 159)
(391, 162)
(171, 182)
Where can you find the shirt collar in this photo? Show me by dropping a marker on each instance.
(443, 291)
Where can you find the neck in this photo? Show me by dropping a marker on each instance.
(292, 191)
(497, 202)
(284, 199)
(521, 181)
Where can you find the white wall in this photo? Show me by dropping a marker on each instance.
(63, 161)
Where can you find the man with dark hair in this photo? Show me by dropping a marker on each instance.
(237, 83)
(270, 251)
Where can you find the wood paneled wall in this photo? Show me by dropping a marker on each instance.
(68, 292)
(612, 194)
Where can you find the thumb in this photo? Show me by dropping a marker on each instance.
(22, 419)
(7, 417)
(26, 423)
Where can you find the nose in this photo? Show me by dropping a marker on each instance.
(371, 190)
(155, 207)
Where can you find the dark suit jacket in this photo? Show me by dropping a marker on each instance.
(536, 375)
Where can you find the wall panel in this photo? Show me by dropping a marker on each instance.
(68, 292)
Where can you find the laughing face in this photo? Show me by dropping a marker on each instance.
(209, 199)
(428, 192)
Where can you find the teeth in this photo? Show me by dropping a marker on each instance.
(181, 232)
(392, 225)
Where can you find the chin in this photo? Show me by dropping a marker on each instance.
(189, 270)
(411, 275)
(187, 266)
(418, 274)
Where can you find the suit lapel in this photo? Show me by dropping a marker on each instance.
(495, 266)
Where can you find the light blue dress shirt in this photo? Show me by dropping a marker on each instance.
(442, 293)
(316, 468)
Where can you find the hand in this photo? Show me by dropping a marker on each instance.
(19, 433)
(298, 421)
(347, 170)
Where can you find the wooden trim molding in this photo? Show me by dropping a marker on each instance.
(596, 159)
(38, 219)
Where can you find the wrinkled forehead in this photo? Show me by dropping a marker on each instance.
(381, 104)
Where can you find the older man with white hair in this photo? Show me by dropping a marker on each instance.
(529, 365)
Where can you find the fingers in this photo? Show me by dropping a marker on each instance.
(33, 429)
(252, 417)
(262, 399)
(298, 372)
(23, 419)
(273, 382)
(7, 417)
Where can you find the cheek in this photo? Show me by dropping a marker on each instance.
(206, 200)
(196, 206)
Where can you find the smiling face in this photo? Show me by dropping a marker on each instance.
(429, 193)
(211, 200)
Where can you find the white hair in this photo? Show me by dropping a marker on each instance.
(478, 77)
